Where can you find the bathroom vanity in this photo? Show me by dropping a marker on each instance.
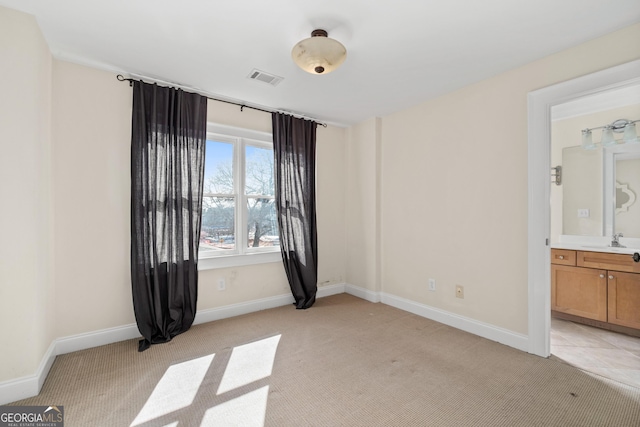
(597, 288)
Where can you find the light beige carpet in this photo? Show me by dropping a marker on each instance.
(344, 362)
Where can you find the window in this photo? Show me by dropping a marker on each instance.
(239, 221)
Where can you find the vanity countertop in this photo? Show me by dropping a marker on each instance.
(594, 248)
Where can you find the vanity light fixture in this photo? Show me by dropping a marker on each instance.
(319, 54)
(607, 137)
(628, 127)
(587, 140)
(630, 135)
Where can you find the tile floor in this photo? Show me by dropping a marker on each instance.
(606, 353)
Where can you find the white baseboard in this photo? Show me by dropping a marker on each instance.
(45, 366)
(211, 314)
(28, 386)
(363, 293)
(325, 291)
(96, 338)
(18, 389)
(490, 332)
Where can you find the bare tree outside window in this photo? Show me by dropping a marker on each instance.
(220, 203)
(219, 200)
(259, 181)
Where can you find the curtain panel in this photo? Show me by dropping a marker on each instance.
(294, 146)
(168, 139)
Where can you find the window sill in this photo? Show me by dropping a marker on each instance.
(238, 260)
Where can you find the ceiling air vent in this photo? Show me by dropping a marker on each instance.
(261, 76)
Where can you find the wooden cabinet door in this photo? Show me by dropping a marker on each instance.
(624, 299)
(579, 291)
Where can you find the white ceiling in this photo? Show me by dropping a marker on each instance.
(400, 52)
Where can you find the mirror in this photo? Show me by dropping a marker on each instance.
(600, 190)
(622, 183)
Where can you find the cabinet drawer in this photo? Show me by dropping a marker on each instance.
(563, 257)
(608, 261)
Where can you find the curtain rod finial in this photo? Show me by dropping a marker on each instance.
(121, 78)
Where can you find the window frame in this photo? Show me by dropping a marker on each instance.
(241, 255)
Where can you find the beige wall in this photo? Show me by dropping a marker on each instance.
(26, 234)
(92, 131)
(582, 188)
(363, 173)
(454, 187)
(91, 137)
(331, 175)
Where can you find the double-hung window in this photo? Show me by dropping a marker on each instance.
(239, 222)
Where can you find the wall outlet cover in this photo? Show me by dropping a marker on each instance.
(583, 213)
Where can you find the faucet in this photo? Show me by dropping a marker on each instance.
(615, 243)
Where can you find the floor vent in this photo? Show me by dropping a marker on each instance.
(261, 76)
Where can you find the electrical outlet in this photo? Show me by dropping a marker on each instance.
(432, 284)
(222, 285)
(583, 213)
(459, 291)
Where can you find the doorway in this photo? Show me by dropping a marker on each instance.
(540, 104)
(579, 212)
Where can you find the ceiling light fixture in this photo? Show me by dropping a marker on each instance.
(319, 54)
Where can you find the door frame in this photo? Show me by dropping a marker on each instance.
(539, 183)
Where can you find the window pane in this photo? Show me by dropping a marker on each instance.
(259, 171)
(218, 168)
(218, 224)
(262, 223)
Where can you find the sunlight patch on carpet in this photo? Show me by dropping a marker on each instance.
(176, 389)
(247, 410)
(248, 363)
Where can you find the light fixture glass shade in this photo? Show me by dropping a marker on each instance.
(319, 54)
(587, 140)
(607, 137)
(630, 136)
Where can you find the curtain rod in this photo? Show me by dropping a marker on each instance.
(121, 78)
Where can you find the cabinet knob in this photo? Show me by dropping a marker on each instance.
(602, 276)
(610, 277)
(561, 256)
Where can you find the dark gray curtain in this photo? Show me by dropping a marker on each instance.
(294, 147)
(168, 139)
